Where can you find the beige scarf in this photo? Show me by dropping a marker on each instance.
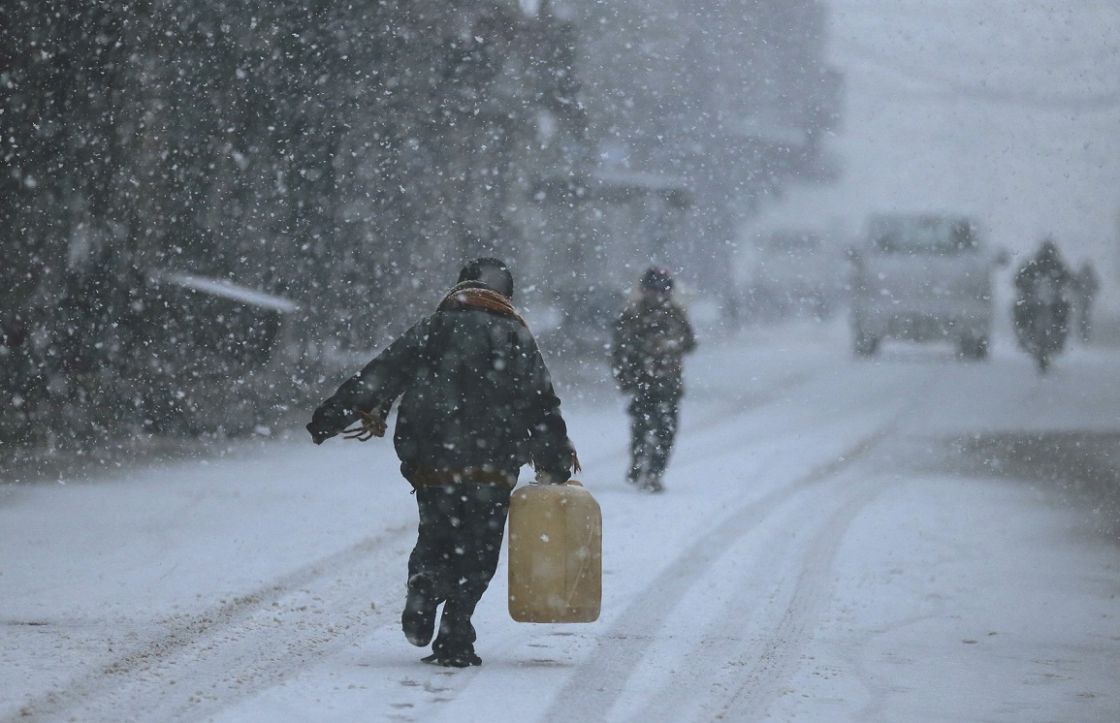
(466, 296)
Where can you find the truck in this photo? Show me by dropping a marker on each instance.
(922, 277)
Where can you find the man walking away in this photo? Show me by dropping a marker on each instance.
(1042, 304)
(650, 340)
(476, 403)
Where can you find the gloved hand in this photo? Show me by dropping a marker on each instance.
(556, 477)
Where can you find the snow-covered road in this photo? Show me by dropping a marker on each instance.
(840, 541)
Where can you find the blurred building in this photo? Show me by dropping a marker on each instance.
(695, 113)
(349, 157)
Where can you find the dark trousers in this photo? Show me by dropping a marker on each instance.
(653, 427)
(457, 549)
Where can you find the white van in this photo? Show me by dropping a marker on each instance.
(922, 278)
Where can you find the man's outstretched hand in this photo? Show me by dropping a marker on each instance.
(324, 425)
(371, 426)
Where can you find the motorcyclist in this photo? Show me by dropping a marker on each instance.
(1041, 312)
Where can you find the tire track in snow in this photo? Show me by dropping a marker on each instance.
(584, 697)
(651, 607)
(762, 613)
(201, 662)
(775, 659)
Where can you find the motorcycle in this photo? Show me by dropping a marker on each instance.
(1041, 315)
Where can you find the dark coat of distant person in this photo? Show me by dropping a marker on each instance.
(651, 337)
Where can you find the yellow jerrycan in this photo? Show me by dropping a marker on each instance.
(555, 554)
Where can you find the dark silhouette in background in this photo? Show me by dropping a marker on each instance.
(1042, 306)
(650, 340)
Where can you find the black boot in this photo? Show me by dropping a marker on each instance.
(419, 617)
(461, 658)
(454, 647)
(452, 652)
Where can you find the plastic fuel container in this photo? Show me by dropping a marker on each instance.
(555, 554)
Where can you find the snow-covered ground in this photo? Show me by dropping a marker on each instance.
(828, 549)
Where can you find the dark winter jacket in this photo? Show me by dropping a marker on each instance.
(475, 395)
(650, 340)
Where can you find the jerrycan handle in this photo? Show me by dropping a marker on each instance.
(543, 480)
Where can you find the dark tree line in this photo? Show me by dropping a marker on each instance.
(333, 154)
(345, 157)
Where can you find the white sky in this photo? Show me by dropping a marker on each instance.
(1009, 109)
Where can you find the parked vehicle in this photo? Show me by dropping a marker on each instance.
(923, 278)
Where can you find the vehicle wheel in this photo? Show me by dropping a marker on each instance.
(974, 348)
(865, 345)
